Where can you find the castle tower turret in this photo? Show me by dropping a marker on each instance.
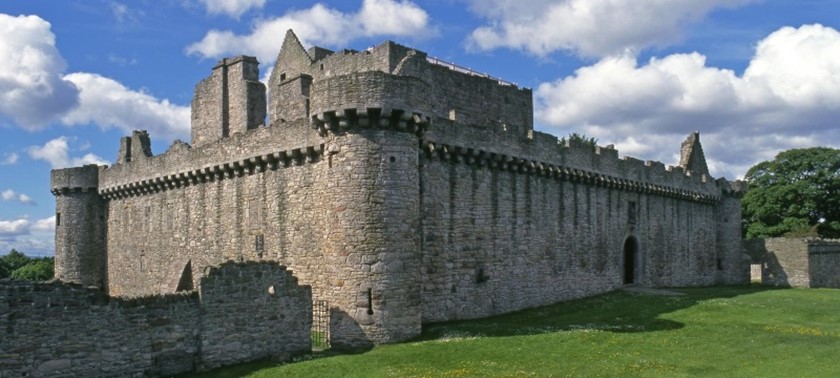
(290, 83)
(232, 100)
(80, 226)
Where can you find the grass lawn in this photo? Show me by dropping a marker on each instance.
(719, 331)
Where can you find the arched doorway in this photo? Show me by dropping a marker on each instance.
(630, 256)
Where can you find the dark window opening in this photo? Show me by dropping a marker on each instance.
(480, 276)
(392, 159)
(57, 219)
(259, 245)
(283, 76)
(631, 212)
(719, 264)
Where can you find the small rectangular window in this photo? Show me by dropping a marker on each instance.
(259, 245)
(57, 219)
(631, 212)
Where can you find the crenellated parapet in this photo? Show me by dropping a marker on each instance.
(512, 163)
(216, 172)
(74, 180)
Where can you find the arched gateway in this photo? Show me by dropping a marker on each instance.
(630, 256)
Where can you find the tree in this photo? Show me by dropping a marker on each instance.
(581, 139)
(37, 270)
(18, 266)
(797, 193)
(11, 262)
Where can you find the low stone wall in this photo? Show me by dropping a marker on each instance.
(796, 262)
(241, 312)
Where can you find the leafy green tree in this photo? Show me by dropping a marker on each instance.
(580, 138)
(795, 194)
(11, 262)
(37, 270)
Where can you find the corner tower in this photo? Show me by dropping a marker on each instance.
(80, 226)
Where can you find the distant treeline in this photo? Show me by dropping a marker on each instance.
(16, 265)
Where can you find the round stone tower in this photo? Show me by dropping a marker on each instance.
(80, 226)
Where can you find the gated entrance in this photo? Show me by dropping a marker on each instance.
(320, 325)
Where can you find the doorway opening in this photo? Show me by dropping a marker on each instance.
(630, 256)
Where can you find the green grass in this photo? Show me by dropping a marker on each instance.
(720, 331)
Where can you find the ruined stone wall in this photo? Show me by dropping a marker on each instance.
(58, 329)
(796, 262)
(784, 261)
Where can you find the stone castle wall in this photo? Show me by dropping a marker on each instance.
(407, 191)
(57, 329)
(499, 236)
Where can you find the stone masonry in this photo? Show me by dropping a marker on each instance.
(796, 262)
(65, 330)
(402, 189)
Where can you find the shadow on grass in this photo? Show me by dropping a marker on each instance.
(618, 311)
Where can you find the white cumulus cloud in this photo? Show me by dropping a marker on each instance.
(317, 25)
(56, 152)
(13, 228)
(232, 8)
(9, 159)
(31, 238)
(787, 97)
(108, 103)
(44, 225)
(32, 89)
(11, 195)
(586, 27)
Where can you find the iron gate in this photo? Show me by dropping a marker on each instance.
(320, 325)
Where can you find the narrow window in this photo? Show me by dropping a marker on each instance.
(631, 212)
(282, 76)
(259, 245)
(57, 219)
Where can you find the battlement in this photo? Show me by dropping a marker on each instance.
(82, 179)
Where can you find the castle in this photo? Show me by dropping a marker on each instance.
(402, 189)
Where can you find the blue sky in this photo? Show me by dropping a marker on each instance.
(754, 77)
